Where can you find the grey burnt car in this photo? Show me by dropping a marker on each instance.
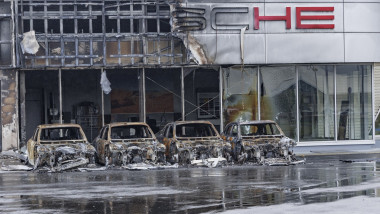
(60, 147)
(125, 143)
(190, 142)
(256, 141)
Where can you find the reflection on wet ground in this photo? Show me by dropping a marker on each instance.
(189, 190)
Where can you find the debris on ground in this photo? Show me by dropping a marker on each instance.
(210, 162)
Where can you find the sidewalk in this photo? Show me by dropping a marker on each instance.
(364, 149)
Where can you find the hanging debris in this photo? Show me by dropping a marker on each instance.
(59, 147)
(105, 83)
(29, 43)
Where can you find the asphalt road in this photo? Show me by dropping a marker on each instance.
(190, 190)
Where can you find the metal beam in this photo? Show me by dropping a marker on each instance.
(221, 99)
(183, 94)
(101, 72)
(60, 94)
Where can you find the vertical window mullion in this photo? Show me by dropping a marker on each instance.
(118, 32)
(46, 34)
(297, 106)
(373, 101)
(91, 39)
(61, 32)
(335, 108)
(76, 33)
(258, 94)
(158, 31)
(131, 32)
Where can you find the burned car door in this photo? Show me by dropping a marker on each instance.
(31, 146)
(101, 144)
(97, 138)
(235, 141)
(168, 137)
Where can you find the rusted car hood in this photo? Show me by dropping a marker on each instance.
(67, 147)
(265, 139)
(136, 143)
(261, 139)
(197, 142)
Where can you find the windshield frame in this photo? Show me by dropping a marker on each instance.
(147, 129)
(274, 128)
(48, 129)
(211, 128)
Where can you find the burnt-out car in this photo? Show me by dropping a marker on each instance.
(190, 141)
(124, 143)
(60, 147)
(256, 141)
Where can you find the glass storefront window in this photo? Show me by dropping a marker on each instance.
(334, 101)
(377, 126)
(354, 102)
(316, 103)
(240, 94)
(278, 97)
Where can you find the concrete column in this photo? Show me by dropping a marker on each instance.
(23, 139)
(9, 110)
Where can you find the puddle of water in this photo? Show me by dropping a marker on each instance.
(186, 190)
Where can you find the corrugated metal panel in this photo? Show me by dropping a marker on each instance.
(376, 88)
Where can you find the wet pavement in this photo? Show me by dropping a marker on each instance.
(192, 190)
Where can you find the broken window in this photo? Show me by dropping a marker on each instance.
(103, 33)
(129, 132)
(278, 97)
(259, 129)
(66, 133)
(195, 130)
(240, 94)
(6, 44)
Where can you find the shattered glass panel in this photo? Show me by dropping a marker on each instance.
(354, 102)
(195, 130)
(130, 132)
(259, 129)
(316, 102)
(278, 97)
(240, 94)
(64, 133)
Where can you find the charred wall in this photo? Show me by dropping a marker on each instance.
(9, 109)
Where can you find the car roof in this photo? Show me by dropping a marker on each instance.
(114, 124)
(252, 122)
(58, 125)
(192, 121)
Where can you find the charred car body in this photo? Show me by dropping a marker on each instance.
(190, 141)
(126, 142)
(257, 141)
(60, 147)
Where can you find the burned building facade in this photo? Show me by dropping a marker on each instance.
(311, 66)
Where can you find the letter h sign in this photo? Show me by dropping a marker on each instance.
(299, 18)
